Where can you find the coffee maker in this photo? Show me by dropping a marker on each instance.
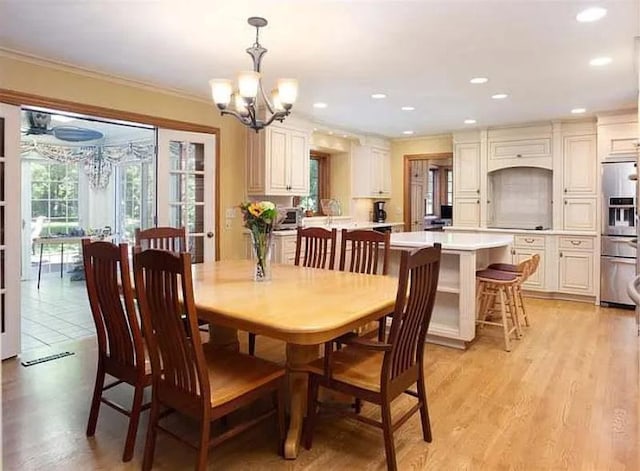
(379, 214)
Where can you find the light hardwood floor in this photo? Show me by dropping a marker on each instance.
(566, 397)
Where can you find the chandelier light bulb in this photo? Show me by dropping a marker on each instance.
(276, 101)
(287, 91)
(240, 105)
(221, 91)
(248, 85)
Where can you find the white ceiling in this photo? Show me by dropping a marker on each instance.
(420, 53)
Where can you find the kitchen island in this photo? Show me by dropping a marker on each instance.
(454, 314)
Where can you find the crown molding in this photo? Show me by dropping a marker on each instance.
(99, 75)
(423, 138)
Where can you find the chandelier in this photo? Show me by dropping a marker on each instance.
(249, 99)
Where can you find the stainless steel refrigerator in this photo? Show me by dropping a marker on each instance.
(619, 232)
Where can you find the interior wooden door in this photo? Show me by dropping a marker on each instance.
(186, 192)
(10, 229)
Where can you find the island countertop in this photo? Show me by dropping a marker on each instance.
(450, 240)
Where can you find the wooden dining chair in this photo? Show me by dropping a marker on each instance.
(202, 385)
(173, 239)
(319, 246)
(319, 252)
(366, 251)
(379, 372)
(121, 352)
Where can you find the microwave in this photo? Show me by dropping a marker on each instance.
(292, 218)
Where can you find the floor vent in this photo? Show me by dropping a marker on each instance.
(47, 358)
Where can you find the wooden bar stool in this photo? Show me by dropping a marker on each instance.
(496, 285)
(524, 270)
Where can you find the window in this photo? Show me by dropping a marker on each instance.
(429, 201)
(449, 176)
(318, 183)
(136, 197)
(54, 195)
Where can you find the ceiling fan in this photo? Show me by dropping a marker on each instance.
(40, 123)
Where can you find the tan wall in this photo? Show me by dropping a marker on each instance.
(400, 148)
(68, 84)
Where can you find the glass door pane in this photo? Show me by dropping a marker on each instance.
(185, 188)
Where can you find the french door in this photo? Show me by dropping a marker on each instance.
(10, 230)
(186, 179)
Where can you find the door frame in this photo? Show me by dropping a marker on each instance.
(26, 99)
(406, 181)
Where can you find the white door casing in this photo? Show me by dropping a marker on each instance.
(10, 218)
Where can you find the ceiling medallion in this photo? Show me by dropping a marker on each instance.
(249, 98)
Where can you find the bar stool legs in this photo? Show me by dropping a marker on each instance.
(495, 289)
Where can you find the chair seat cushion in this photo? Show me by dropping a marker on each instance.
(351, 365)
(509, 267)
(496, 275)
(233, 374)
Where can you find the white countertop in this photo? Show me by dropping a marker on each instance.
(520, 231)
(449, 240)
(341, 225)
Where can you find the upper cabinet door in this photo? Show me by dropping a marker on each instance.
(580, 165)
(276, 161)
(298, 163)
(380, 173)
(466, 165)
(618, 140)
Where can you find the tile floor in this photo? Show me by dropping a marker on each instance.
(56, 313)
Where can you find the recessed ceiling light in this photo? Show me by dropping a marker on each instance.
(407, 108)
(578, 110)
(477, 80)
(407, 132)
(345, 136)
(330, 133)
(591, 14)
(319, 105)
(499, 96)
(600, 61)
(469, 121)
(378, 96)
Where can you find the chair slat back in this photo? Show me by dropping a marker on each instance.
(106, 269)
(419, 272)
(319, 247)
(165, 291)
(173, 239)
(369, 251)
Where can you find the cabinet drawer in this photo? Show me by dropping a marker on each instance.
(520, 149)
(529, 241)
(576, 243)
(288, 246)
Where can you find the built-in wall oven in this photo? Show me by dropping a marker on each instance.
(618, 252)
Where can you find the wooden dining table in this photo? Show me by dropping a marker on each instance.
(303, 307)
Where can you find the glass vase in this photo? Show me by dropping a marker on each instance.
(261, 242)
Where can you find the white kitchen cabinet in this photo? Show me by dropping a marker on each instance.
(617, 137)
(278, 162)
(580, 165)
(520, 153)
(579, 214)
(576, 272)
(466, 170)
(371, 172)
(466, 212)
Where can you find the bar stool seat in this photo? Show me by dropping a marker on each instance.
(505, 267)
(496, 285)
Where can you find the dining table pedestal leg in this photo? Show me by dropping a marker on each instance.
(297, 357)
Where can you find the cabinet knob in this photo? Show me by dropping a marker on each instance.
(478, 191)
(478, 201)
(518, 155)
(565, 202)
(565, 190)
(560, 254)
